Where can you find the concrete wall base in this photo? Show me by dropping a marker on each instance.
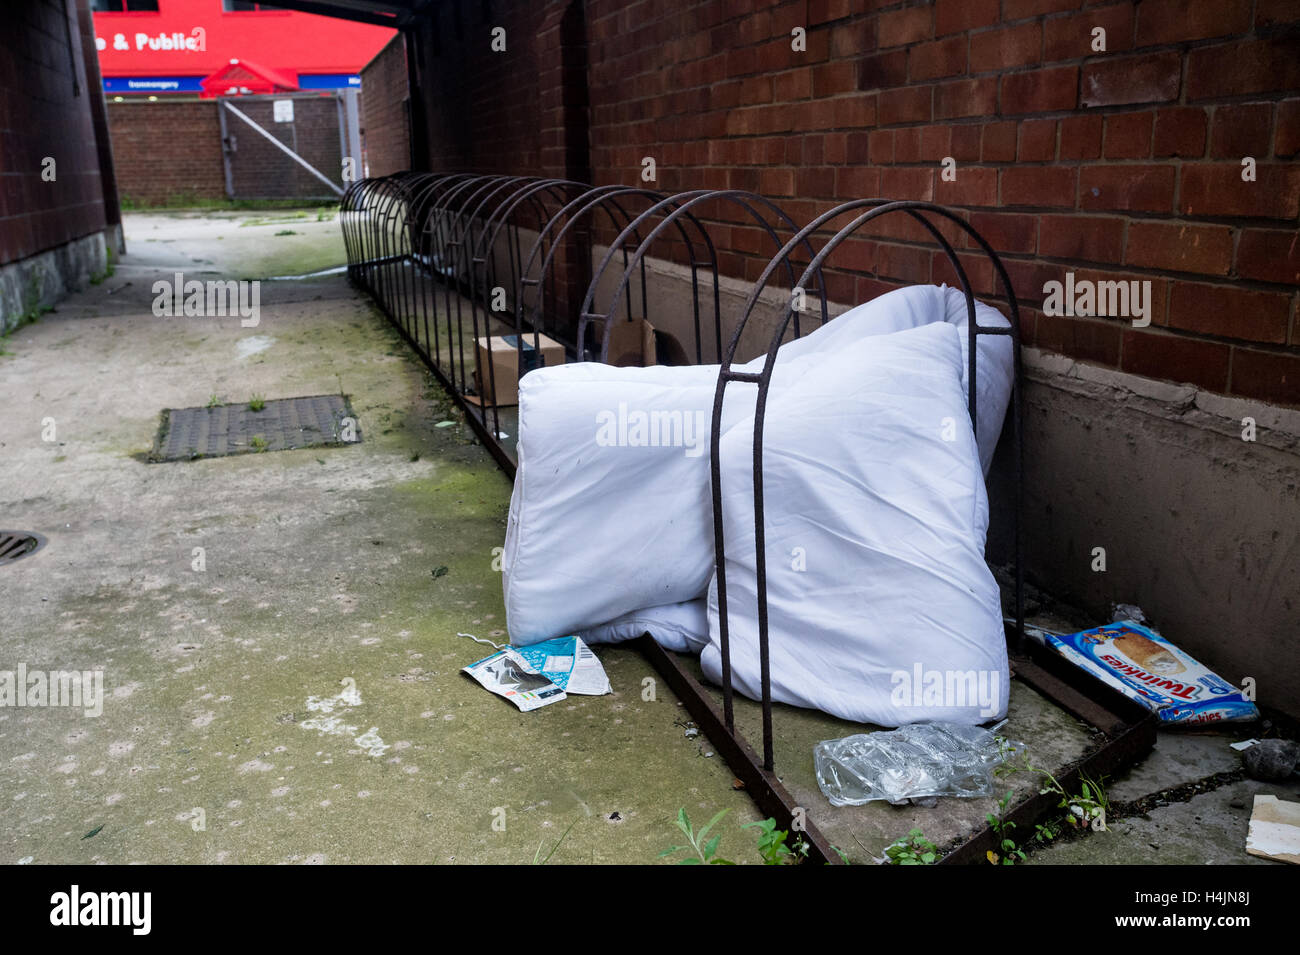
(669, 298)
(34, 284)
(1193, 499)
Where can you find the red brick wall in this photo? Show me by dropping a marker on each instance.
(42, 114)
(1124, 164)
(167, 152)
(482, 107)
(385, 124)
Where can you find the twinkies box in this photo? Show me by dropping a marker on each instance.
(1146, 667)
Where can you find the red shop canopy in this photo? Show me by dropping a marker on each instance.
(240, 77)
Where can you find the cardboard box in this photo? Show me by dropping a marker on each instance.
(502, 352)
(632, 343)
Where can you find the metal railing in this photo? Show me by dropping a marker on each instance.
(438, 252)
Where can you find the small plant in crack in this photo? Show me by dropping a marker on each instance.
(256, 403)
(1082, 811)
(539, 859)
(705, 849)
(1008, 852)
(772, 844)
(913, 849)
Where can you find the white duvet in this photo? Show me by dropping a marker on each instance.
(880, 606)
(610, 524)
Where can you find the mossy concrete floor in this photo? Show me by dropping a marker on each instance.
(299, 699)
(226, 687)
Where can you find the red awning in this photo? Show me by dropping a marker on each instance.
(240, 77)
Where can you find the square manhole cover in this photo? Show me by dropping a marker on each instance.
(281, 424)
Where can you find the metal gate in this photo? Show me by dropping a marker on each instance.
(291, 146)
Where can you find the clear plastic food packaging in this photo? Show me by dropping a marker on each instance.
(914, 762)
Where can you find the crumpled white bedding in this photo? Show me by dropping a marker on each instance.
(610, 531)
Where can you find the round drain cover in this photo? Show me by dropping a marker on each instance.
(15, 545)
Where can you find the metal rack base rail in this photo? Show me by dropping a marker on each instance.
(410, 236)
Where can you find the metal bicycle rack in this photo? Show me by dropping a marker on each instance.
(411, 236)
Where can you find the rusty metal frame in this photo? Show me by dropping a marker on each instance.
(668, 210)
(410, 235)
(873, 209)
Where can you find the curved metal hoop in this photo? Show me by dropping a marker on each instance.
(668, 210)
(435, 246)
(875, 208)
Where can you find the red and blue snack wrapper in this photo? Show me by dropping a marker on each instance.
(1146, 667)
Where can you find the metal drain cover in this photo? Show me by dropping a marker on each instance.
(15, 545)
(284, 423)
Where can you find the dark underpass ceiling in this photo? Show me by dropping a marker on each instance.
(389, 13)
